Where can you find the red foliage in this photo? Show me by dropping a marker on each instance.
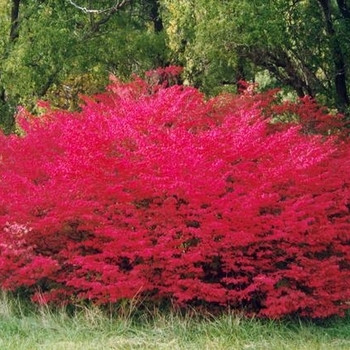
(161, 193)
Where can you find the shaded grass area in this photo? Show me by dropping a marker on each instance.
(23, 326)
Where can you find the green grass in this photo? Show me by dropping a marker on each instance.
(24, 326)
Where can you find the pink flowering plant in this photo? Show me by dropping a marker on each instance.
(154, 190)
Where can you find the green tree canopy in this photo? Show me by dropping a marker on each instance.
(303, 43)
(57, 48)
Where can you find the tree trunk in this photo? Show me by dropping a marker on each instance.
(7, 119)
(342, 97)
(14, 20)
(155, 16)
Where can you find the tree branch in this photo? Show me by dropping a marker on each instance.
(112, 9)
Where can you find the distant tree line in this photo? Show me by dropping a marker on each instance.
(56, 49)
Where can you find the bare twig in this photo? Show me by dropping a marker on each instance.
(112, 9)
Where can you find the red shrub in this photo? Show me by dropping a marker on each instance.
(156, 191)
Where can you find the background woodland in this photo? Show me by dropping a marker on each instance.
(56, 49)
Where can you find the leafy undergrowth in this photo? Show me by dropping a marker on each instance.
(153, 191)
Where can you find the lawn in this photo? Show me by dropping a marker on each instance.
(24, 326)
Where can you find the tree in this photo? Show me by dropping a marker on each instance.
(9, 31)
(336, 49)
(55, 50)
(302, 44)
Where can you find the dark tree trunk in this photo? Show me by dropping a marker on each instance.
(7, 119)
(14, 20)
(337, 54)
(155, 16)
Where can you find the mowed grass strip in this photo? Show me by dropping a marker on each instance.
(26, 327)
